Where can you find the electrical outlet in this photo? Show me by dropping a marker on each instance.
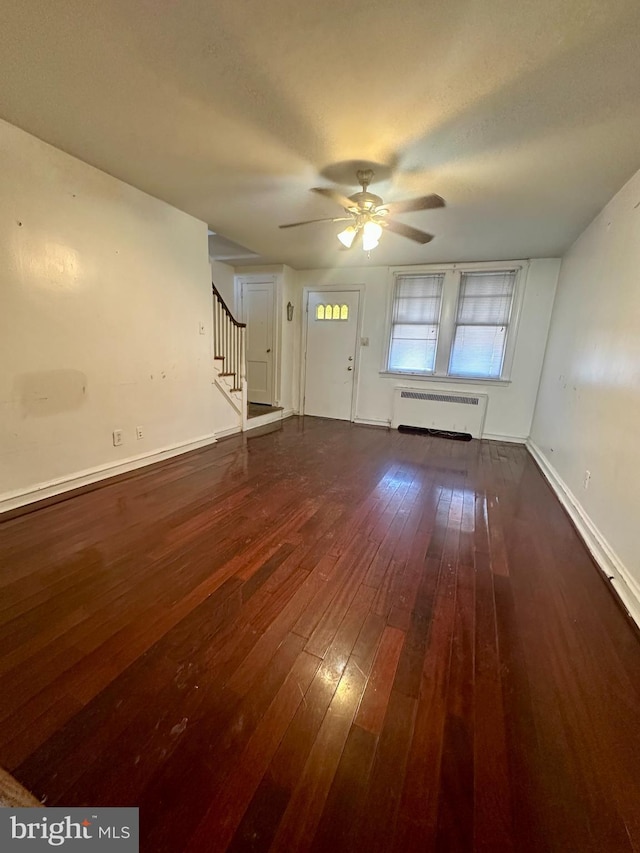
(139, 433)
(117, 437)
(587, 479)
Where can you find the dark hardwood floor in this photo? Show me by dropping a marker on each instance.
(324, 637)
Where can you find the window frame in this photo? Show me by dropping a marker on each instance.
(448, 314)
(415, 273)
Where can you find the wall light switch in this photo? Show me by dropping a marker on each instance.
(202, 329)
(117, 437)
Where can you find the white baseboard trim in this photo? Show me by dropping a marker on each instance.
(373, 422)
(606, 558)
(13, 500)
(263, 420)
(510, 439)
(224, 433)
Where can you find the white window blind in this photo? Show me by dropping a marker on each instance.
(482, 323)
(414, 324)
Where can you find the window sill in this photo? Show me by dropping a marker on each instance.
(430, 377)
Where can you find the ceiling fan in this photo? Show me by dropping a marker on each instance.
(368, 215)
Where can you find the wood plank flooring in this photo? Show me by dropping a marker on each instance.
(323, 637)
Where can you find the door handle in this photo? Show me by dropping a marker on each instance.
(349, 368)
(350, 358)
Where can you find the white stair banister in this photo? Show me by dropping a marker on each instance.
(228, 341)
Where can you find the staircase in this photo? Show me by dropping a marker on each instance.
(229, 353)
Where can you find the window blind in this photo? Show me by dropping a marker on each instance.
(482, 322)
(414, 325)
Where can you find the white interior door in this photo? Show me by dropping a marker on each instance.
(257, 311)
(332, 328)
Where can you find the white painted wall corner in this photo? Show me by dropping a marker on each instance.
(605, 557)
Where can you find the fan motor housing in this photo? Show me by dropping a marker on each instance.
(365, 200)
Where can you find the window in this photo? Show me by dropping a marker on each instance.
(414, 325)
(332, 312)
(455, 322)
(482, 322)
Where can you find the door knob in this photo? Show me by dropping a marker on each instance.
(269, 350)
(350, 358)
(349, 368)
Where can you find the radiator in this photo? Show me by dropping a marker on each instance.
(447, 410)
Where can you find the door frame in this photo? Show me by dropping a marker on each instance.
(331, 288)
(274, 280)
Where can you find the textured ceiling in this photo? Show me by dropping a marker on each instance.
(524, 115)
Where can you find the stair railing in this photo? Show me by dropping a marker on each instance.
(228, 341)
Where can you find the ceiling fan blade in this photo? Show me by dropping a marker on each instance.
(408, 231)
(427, 202)
(334, 195)
(309, 221)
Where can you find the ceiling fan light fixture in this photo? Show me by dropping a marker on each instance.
(371, 235)
(347, 236)
(369, 215)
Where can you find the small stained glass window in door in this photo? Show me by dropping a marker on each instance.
(332, 312)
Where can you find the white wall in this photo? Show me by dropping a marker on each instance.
(510, 408)
(102, 290)
(290, 341)
(587, 417)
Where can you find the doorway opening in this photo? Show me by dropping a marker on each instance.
(259, 301)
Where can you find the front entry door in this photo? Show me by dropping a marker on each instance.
(257, 313)
(332, 327)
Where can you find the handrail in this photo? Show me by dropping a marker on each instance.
(218, 296)
(229, 342)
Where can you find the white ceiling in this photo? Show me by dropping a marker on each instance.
(524, 116)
